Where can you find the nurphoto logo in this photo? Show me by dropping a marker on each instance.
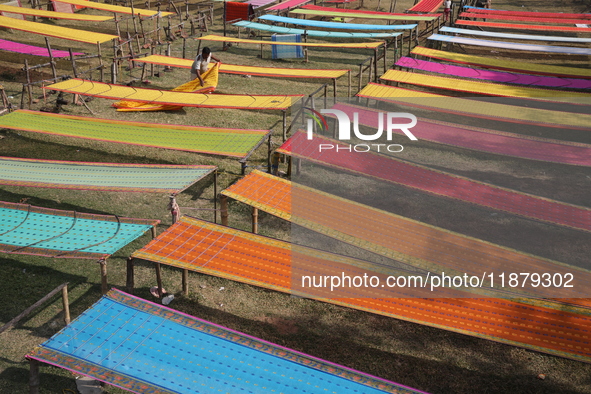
(344, 130)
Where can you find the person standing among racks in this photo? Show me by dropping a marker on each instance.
(201, 63)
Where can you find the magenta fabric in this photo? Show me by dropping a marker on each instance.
(17, 47)
(494, 76)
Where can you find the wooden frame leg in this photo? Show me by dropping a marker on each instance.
(104, 284)
(33, 376)
(130, 276)
(185, 282)
(159, 278)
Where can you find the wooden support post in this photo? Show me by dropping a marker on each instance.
(73, 61)
(349, 78)
(224, 209)
(154, 230)
(143, 72)
(104, 284)
(261, 51)
(129, 45)
(385, 57)
(156, 26)
(168, 30)
(334, 87)
(289, 164)
(33, 376)
(275, 163)
(5, 103)
(142, 29)
(184, 47)
(215, 193)
(117, 24)
(168, 52)
(375, 65)
(393, 6)
(255, 220)
(114, 72)
(133, 18)
(74, 71)
(66, 305)
(152, 51)
(23, 94)
(269, 152)
(159, 278)
(29, 93)
(360, 77)
(185, 282)
(284, 125)
(51, 61)
(130, 283)
(33, 6)
(101, 64)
